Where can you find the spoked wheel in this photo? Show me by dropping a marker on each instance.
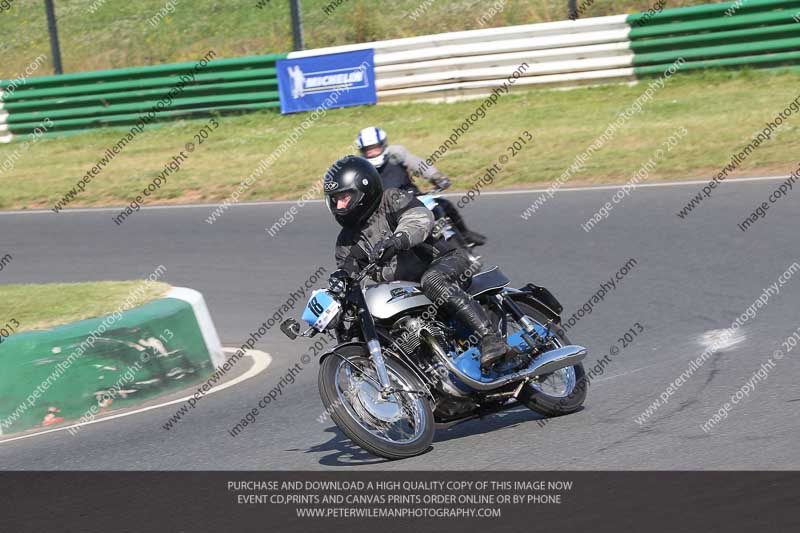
(396, 427)
(559, 393)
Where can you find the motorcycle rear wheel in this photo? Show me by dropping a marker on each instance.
(560, 393)
(397, 428)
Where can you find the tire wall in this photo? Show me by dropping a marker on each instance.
(76, 371)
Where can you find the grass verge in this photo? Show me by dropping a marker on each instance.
(720, 110)
(43, 306)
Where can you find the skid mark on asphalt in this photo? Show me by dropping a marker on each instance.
(261, 360)
(615, 376)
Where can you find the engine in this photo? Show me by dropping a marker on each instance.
(406, 333)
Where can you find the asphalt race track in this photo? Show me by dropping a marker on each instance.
(692, 276)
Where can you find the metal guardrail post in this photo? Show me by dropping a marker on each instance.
(297, 25)
(572, 9)
(55, 50)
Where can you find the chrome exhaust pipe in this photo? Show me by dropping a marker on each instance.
(563, 357)
(544, 363)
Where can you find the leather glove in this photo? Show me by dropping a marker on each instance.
(337, 282)
(384, 250)
(443, 182)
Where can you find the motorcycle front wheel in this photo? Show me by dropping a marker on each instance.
(398, 427)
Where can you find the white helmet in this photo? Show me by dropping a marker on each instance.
(369, 139)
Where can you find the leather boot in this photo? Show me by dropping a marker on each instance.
(474, 238)
(493, 348)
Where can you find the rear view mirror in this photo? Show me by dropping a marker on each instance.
(290, 328)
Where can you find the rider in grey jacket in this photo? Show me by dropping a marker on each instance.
(392, 228)
(397, 165)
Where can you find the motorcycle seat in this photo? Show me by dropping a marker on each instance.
(490, 280)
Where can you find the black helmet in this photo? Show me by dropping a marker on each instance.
(353, 190)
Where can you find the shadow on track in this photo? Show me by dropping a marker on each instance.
(345, 453)
(504, 419)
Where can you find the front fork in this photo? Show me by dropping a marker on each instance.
(371, 336)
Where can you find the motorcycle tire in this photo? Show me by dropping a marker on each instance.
(342, 417)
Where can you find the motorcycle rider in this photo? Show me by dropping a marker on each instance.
(392, 228)
(396, 165)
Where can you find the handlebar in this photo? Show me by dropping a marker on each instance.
(366, 271)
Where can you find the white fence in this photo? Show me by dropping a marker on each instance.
(451, 66)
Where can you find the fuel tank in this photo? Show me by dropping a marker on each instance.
(387, 300)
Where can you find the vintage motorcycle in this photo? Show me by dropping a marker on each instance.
(399, 365)
(443, 226)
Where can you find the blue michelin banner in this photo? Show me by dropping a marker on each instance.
(327, 81)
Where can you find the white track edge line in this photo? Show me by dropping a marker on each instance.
(450, 195)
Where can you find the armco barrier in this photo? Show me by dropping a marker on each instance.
(753, 33)
(442, 67)
(150, 350)
(75, 102)
(461, 64)
(450, 66)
